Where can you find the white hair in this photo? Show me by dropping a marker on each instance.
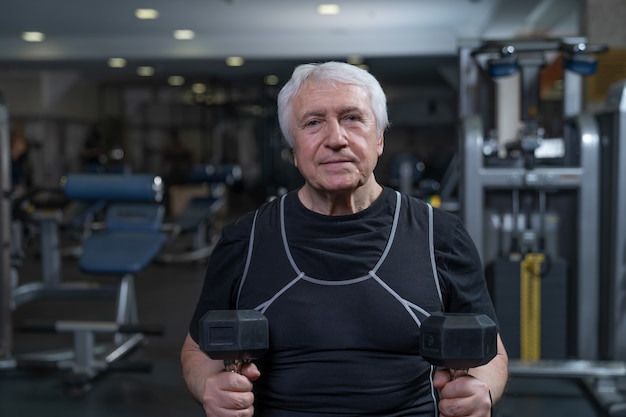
(339, 72)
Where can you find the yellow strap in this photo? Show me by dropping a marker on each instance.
(530, 306)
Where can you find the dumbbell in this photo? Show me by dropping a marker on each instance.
(450, 340)
(234, 336)
(458, 340)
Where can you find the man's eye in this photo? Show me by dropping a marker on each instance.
(312, 123)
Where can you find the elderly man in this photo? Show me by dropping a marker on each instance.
(344, 270)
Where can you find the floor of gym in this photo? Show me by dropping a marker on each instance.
(166, 295)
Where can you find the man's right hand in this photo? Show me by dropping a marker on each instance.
(228, 394)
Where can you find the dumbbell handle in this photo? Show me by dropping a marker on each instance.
(235, 365)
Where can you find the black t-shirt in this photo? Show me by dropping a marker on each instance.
(344, 296)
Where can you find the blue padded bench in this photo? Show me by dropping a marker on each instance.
(226, 174)
(132, 235)
(196, 218)
(197, 211)
(131, 239)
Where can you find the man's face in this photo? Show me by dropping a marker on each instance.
(336, 145)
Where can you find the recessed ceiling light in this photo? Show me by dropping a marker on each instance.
(33, 36)
(198, 88)
(354, 59)
(146, 14)
(175, 80)
(234, 61)
(328, 9)
(145, 71)
(184, 34)
(271, 80)
(116, 62)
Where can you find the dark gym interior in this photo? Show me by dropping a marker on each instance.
(131, 134)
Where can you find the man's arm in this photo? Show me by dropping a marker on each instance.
(495, 374)
(197, 367)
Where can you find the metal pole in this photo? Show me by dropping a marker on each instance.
(5, 237)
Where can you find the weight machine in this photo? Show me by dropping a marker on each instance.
(6, 342)
(115, 251)
(612, 122)
(529, 194)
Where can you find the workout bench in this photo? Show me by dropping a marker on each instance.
(130, 240)
(195, 220)
(197, 216)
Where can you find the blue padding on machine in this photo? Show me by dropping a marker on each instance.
(211, 174)
(131, 239)
(120, 252)
(113, 187)
(135, 217)
(79, 212)
(198, 210)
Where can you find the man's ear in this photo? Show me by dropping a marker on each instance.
(380, 145)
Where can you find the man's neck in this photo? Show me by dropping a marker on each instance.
(339, 203)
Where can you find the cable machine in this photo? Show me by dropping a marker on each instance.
(516, 178)
(529, 196)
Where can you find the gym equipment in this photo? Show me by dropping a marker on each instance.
(215, 175)
(455, 341)
(113, 187)
(85, 367)
(517, 155)
(458, 340)
(6, 337)
(234, 336)
(407, 173)
(49, 221)
(546, 278)
(612, 121)
(130, 239)
(196, 219)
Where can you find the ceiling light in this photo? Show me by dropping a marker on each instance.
(184, 34)
(116, 62)
(234, 61)
(145, 14)
(198, 88)
(145, 71)
(355, 60)
(175, 80)
(271, 80)
(328, 9)
(33, 36)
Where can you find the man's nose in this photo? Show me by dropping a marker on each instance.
(336, 135)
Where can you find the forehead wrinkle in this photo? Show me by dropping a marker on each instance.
(343, 110)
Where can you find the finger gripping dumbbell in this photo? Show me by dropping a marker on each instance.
(234, 336)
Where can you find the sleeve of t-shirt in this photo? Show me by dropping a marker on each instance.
(460, 269)
(224, 270)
